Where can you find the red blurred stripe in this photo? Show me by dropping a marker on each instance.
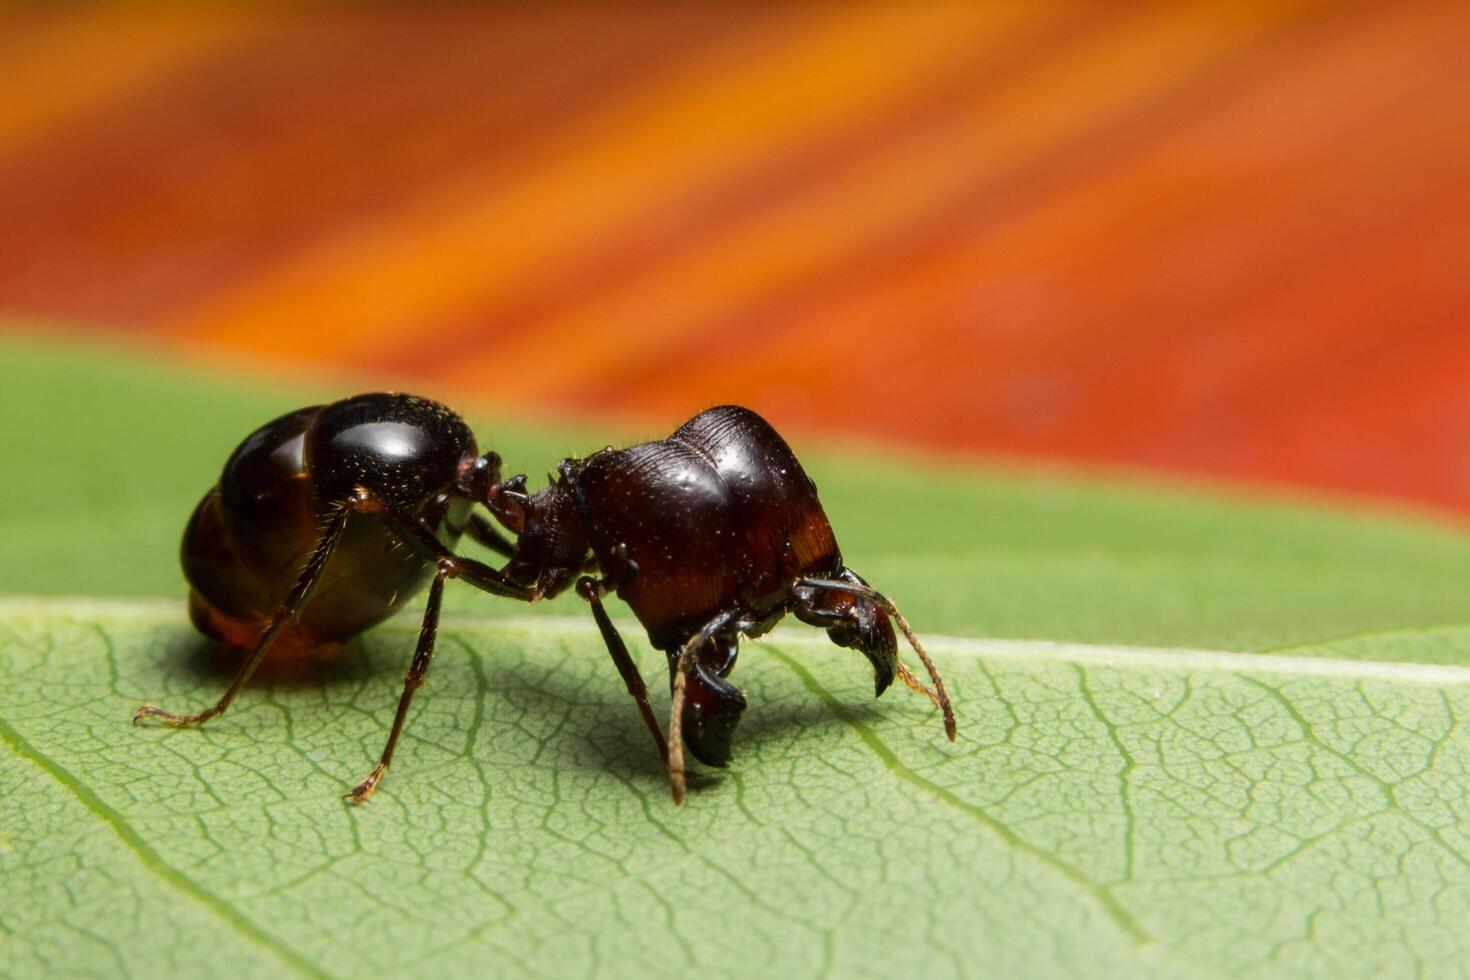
(1253, 262)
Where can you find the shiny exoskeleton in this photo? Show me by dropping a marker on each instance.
(710, 534)
(324, 522)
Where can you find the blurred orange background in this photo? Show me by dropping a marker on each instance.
(1230, 240)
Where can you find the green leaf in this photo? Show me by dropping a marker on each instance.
(1132, 804)
(1106, 811)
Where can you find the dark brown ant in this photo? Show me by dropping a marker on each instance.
(350, 508)
(709, 534)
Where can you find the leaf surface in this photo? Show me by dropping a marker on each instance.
(1106, 811)
(1124, 799)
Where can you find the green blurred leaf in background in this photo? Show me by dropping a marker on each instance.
(1123, 799)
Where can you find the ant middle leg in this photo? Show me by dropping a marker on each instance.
(592, 590)
(413, 533)
(449, 566)
(412, 681)
(288, 610)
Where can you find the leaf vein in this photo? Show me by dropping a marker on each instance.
(1098, 892)
(151, 859)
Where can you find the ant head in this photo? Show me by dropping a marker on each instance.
(508, 501)
(479, 476)
(551, 546)
(870, 632)
(853, 620)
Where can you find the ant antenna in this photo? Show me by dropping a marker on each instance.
(939, 695)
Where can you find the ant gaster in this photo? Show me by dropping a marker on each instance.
(302, 540)
(349, 509)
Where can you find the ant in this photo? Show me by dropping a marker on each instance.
(710, 534)
(350, 508)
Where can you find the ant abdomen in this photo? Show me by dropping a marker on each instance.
(254, 531)
(327, 521)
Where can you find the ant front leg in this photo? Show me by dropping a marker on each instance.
(592, 590)
(423, 542)
(682, 666)
(288, 610)
(489, 535)
(877, 644)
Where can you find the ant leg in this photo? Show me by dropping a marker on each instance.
(939, 695)
(449, 566)
(287, 611)
(591, 590)
(418, 537)
(675, 761)
(412, 681)
(412, 532)
(489, 535)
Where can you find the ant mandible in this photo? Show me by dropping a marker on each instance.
(350, 508)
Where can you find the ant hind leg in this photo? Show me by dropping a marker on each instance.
(284, 613)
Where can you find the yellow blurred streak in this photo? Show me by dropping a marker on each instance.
(711, 116)
(1034, 114)
(1269, 196)
(67, 67)
(1076, 252)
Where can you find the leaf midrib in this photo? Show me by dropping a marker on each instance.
(1271, 660)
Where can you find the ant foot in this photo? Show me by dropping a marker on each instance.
(168, 717)
(366, 787)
